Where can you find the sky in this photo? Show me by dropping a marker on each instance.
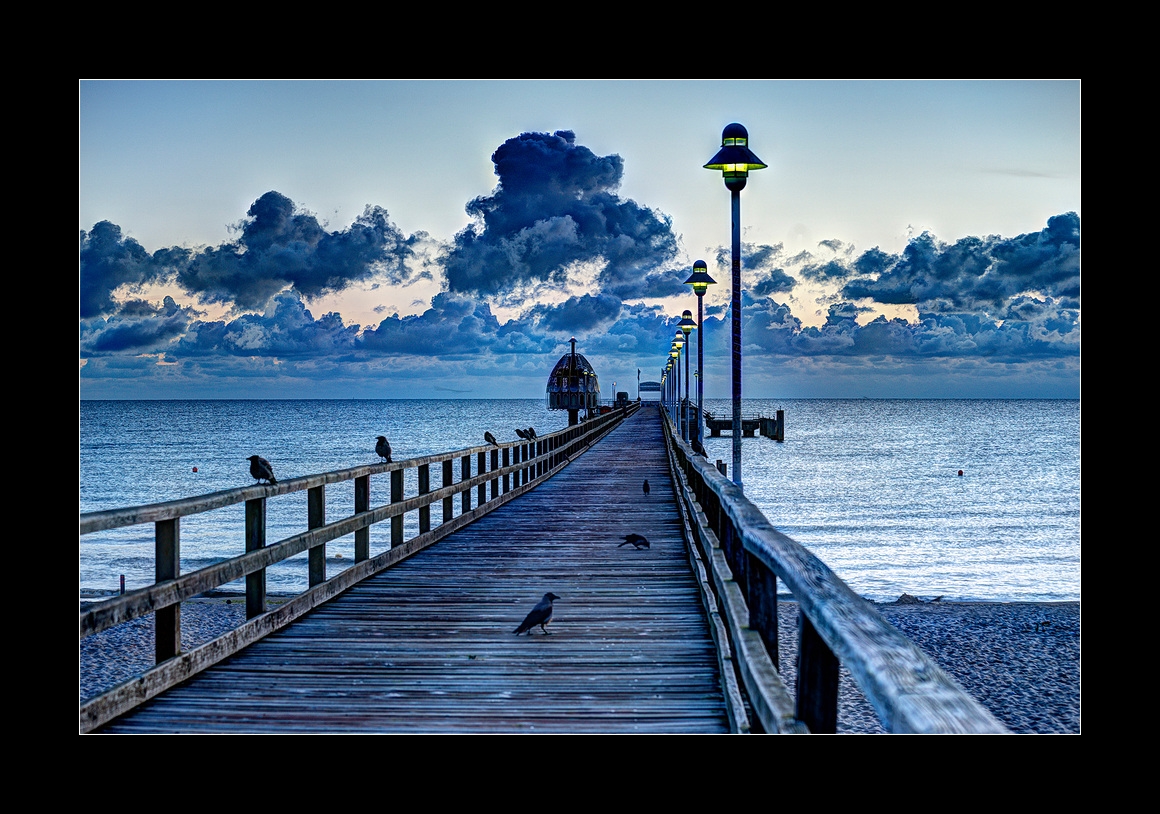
(446, 239)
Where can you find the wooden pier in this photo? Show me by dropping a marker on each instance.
(418, 636)
(426, 646)
(770, 427)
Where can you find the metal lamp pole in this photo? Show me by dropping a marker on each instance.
(735, 160)
(678, 344)
(686, 325)
(700, 281)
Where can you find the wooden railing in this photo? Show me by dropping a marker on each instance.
(743, 557)
(506, 471)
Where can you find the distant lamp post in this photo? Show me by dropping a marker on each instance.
(736, 160)
(674, 365)
(700, 281)
(667, 384)
(686, 325)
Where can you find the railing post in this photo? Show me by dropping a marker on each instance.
(315, 517)
(255, 539)
(362, 503)
(448, 479)
(494, 481)
(424, 488)
(507, 481)
(762, 601)
(396, 497)
(817, 681)
(167, 565)
(480, 468)
(465, 475)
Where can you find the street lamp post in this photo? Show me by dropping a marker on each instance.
(675, 364)
(686, 324)
(700, 281)
(735, 160)
(678, 344)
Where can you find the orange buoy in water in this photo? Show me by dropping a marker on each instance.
(960, 472)
(195, 469)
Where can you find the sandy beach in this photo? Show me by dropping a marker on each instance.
(1021, 660)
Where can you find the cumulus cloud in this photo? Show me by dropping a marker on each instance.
(975, 274)
(453, 326)
(281, 246)
(138, 327)
(286, 330)
(555, 206)
(762, 268)
(109, 261)
(579, 314)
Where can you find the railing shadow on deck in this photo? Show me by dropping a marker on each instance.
(506, 470)
(744, 556)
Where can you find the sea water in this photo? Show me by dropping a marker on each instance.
(870, 486)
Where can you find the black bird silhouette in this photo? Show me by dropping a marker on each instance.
(261, 470)
(540, 615)
(636, 540)
(383, 448)
(487, 436)
(532, 433)
(645, 487)
(523, 434)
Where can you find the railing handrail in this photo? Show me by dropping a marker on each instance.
(104, 520)
(906, 687)
(249, 562)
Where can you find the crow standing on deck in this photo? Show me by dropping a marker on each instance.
(635, 540)
(645, 487)
(487, 436)
(383, 448)
(261, 470)
(540, 615)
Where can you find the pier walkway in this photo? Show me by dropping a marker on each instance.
(426, 646)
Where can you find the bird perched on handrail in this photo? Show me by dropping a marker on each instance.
(487, 436)
(532, 434)
(540, 615)
(523, 434)
(383, 448)
(636, 540)
(261, 470)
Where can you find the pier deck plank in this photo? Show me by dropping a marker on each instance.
(427, 645)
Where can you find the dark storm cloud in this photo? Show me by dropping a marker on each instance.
(109, 261)
(830, 272)
(555, 205)
(579, 314)
(137, 327)
(453, 325)
(281, 246)
(975, 274)
(286, 330)
(776, 281)
(1033, 329)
